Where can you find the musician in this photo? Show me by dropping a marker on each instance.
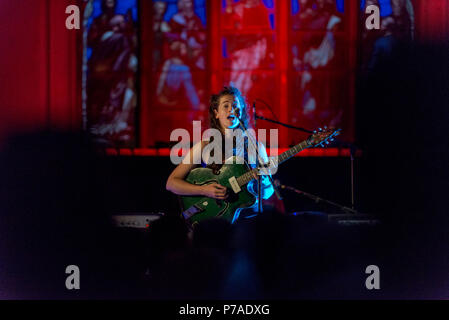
(225, 110)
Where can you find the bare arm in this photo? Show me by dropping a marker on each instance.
(177, 184)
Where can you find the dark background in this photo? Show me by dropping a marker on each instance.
(57, 193)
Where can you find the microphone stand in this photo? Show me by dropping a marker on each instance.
(317, 199)
(259, 165)
(259, 177)
(282, 124)
(351, 146)
(276, 190)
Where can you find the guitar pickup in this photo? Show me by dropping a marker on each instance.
(234, 185)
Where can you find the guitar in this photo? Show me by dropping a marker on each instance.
(235, 177)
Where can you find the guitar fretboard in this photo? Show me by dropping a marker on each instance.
(248, 176)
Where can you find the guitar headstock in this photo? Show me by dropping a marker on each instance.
(322, 136)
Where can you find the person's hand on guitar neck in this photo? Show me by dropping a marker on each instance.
(214, 190)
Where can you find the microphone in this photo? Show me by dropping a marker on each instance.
(241, 124)
(235, 111)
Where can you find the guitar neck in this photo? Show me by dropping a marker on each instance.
(248, 176)
(292, 151)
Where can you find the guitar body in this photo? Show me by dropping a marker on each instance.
(229, 208)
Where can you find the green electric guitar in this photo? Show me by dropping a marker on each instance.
(235, 178)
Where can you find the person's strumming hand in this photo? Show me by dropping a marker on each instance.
(214, 190)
